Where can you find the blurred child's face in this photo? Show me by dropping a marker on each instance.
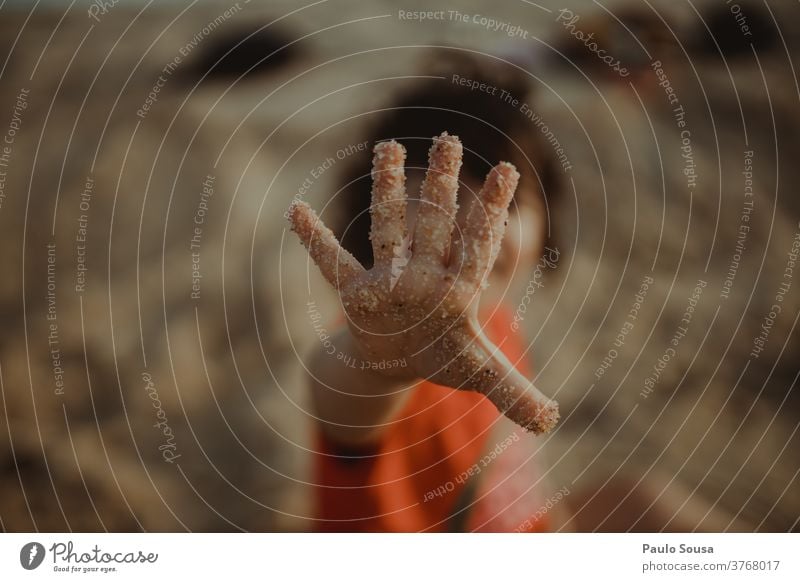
(523, 242)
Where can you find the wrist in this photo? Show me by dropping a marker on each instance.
(394, 368)
(353, 404)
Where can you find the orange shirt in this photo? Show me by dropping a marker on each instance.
(440, 466)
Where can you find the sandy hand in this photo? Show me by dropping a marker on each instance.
(424, 309)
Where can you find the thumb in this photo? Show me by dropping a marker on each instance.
(513, 394)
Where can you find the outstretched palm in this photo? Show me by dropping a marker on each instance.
(425, 309)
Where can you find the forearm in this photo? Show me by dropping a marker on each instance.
(352, 402)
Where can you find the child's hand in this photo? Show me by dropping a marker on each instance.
(424, 310)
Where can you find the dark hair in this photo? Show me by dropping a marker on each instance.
(491, 130)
